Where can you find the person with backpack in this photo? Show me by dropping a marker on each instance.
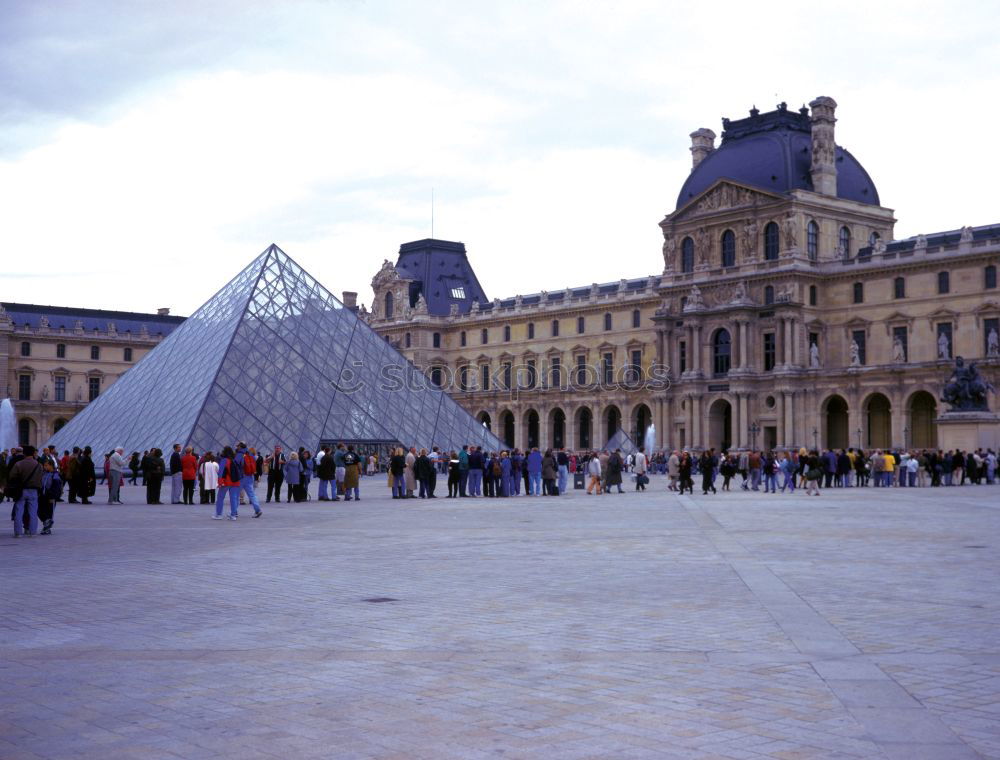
(24, 482)
(326, 471)
(494, 471)
(51, 493)
(352, 473)
(230, 473)
(248, 474)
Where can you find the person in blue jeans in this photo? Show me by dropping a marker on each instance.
(476, 465)
(788, 473)
(27, 475)
(770, 473)
(534, 465)
(248, 480)
(229, 484)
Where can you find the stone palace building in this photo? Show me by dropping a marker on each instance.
(786, 314)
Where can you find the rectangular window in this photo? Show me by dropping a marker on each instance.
(990, 277)
(25, 349)
(899, 288)
(93, 388)
(944, 283)
(508, 370)
(556, 373)
(581, 370)
(944, 341)
(900, 349)
(608, 368)
(859, 292)
(506, 333)
(580, 325)
(463, 378)
(991, 336)
(60, 350)
(531, 330)
(555, 328)
(636, 318)
(95, 353)
(484, 377)
(858, 337)
(458, 293)
(128, 353)
(682, 356)
(769, 351)
(635, 370)
(60, 388)
(484, 336)
(532, 374)
(813, 295)
(24, 387)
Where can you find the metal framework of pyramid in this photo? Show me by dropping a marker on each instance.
(621, 440)
(272, 358)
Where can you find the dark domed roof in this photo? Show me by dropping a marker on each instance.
(772, 151)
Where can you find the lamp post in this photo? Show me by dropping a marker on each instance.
(906, 437)
(858, 431)
(753, 429)
(815, 439)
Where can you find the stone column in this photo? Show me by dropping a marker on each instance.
(743, 435)
(519, 425)
(787, 352)
(744, 344)
(569, 430)
(697, 348)
(788, 427)
(824, 164)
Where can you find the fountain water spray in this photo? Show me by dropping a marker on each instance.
(650, 441)
(8, 425)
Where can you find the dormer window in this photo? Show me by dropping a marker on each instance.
(458, 292)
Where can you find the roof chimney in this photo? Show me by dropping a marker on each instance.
(824, 160)
(702, 143)
(163, 312)
(350, 299)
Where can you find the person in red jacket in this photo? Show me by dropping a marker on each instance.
(189, 473)
(230, 472)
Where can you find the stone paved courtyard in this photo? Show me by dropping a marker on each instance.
(860, 624)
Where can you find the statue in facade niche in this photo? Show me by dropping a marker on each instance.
(898, 350)
(791, 231)
(694, 299)
(749, 239)
(814, 356)
(966, 390)
(993, 343)
(741, 294)
(701, 244)
(944, 347)
(855, 354)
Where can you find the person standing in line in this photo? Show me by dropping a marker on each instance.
(562, 462)
(340, 469)
(326, 471)
(229, 484)
(86, 479)
(154, 476)
(306, 459)
(533, 464)
(504, 485)
(420, 471)
(433, 458)
(352, 473)
(293, 478)
(133, 466)
(673, 470)
(463, 470)
(176, 475)
(639, 467)
(49, 496)
(454, 475)
(397, 468)
(814, 472)
(408, 474)
(189, 474)
(787, 473)
(24, 483)
(550, 472)
(475, 483)
(209, 476)
(248, 476)
(275, 474)
(771, 473)
(116, 469)
(754, 463)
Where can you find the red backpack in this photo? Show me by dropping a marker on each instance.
(249, 465)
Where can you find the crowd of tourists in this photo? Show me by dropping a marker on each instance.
(35, 480)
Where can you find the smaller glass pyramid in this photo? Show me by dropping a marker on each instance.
(621, 440)
(272, 358)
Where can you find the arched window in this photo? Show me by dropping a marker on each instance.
(769, 295)
(812, 240)
(484, 336)
(944, 282)
(607, 322)
(636, 318)
(407, 340)
(389, 304)
(531, 330)
(728, 249)
(721, 353)
(436, 340)
(845, 242)
(461, 338)
(873, 238)
(899, 288)
(771, 242)
(687, 255)
(555, 328)
(506, 333)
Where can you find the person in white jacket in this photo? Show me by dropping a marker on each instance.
(210, 476)
(639, 468)
(594, 470)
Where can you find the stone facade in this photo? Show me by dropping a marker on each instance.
(56, 359)
(783, 318)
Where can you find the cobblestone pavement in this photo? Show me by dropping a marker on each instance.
(860, 624)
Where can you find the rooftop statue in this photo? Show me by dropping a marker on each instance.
(966, 390)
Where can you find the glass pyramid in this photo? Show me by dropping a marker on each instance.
(621, 440)
(272, 358)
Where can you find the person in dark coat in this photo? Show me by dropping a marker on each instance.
(85, 476)
(326, 471)
(155, 470)
(615, 467)
(550, 471)
(422, 470)
(707, 466)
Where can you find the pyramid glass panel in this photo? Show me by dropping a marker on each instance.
(272, 358)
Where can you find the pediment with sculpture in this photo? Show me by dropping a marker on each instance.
(724, 195)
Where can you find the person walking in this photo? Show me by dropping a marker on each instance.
(673, 470)
(248, 474)
(24, 483)
(116, 469)
(594, 471)
(814, 471)
(685, 470)
(230, 473)
(707, 467)
(615, 467)
(639, 467)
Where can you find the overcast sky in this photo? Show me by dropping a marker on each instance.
(149, 150)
